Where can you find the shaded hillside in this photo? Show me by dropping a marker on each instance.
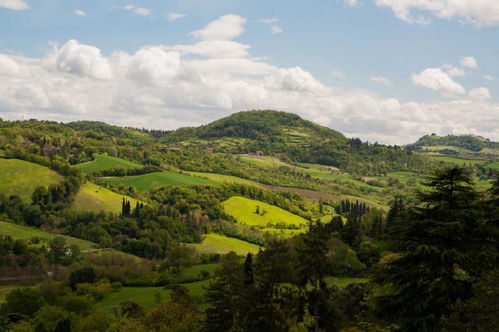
(457, 145)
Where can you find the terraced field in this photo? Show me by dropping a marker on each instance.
(19, 177)
(27, 233)
(219, 244)
(149, 181)
(103, 162)
(244, 210)
(92, 197)
(494, 165)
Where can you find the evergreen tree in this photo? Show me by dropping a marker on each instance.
(440, 246)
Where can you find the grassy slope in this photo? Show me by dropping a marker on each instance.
(26, 233)
(342, 282)
(96, 198)
(149, 181)
(145, 296)
(219, 244)
(243, 209)
(103, 162)
(225, 178)
(494, 165)
(19, 177)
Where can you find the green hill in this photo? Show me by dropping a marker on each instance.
(245, 210)
(219, 244)
(92, 197)
(469, 146)
(19, 177)
(103, 162)
(289, 137)
(149, 181)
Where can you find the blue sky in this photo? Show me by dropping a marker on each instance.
(353, 65)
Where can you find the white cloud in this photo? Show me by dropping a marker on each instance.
(276, 30)
(338, 74)
(381, 80)
(162, 86)
(226, 27)
(80, 12)
(174, 16)
(14, 4)
(351, 3)
(454, 71)
(269, 20)
(436, 79)
(138, 10)
(489, 78)
(480, 93)
(477, 12)
(469, 61)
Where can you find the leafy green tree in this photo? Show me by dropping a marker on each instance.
(441, 246)
(24, 301)
(49, 317)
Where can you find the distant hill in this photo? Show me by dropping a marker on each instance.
(457, 145)
(293, 139)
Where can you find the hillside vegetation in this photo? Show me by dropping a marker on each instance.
(19, 177)
(92, 197)
(104, 162)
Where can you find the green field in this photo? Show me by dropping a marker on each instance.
(244, 210)
(145, 296)
(219, 244)
(26, 233)
(458, 161)
(224, 178)
(2, 153)
(193, 272)
(262, 161)
(494, 165)
(92, 197)
(149, 181)
(19, 177)
(103, 162)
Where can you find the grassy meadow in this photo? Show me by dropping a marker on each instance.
(26, 233)
(146, 182)
(92, 197)
(219, 244)
(146, 296)
(19, 177)
(220, 178)
(103, 162)
(244, 211)
(459, 161)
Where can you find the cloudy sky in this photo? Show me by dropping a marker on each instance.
(382, 70)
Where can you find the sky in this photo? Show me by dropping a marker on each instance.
(387, 71)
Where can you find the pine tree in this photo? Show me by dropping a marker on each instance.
(440, 245)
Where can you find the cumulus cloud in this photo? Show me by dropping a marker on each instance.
(454, 71)
(80, 12)
(489, 78)
(480, 93)
(381, 80)
(14, 4)
(338, 74)
(276, 30)
(469, 61)
(174, 16)
(438, 80)
(138, 10)
(477, 12)
(226, 27)
(163, 86)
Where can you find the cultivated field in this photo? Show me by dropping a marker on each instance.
(103, 162)
(245, 212)
(149, 181)
(92, 197)
(19, 177)
(225, 178)
(219, 244)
